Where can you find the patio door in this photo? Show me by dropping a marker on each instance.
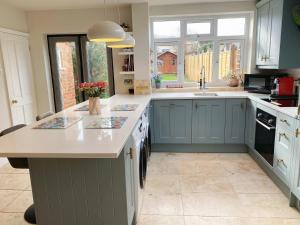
(75, 60)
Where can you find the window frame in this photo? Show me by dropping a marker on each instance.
(184, 20)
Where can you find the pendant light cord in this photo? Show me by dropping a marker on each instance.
(119, 14)
(105, 14)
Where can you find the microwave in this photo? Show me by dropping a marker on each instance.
(260, 83)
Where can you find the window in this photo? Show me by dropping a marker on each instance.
(188, 48)
(198, 28)
(166, 61)
(166, 29)
(231, 27)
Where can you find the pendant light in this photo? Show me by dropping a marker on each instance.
(106, 31)
(127, 42)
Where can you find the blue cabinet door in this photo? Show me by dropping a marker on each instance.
(235, 121)
(172, 121)
(250, 124)
(208, 124)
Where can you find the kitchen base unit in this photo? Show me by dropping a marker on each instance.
(84, 191)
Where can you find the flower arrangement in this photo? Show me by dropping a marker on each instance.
(157, 80)
(93, 89)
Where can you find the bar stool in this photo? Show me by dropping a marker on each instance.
(21, 163)
(44, 115)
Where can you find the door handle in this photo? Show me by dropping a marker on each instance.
(297, 132)
(14, 101)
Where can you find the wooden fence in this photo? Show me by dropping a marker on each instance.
(228, 60)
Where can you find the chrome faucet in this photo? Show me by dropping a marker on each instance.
(202, 81)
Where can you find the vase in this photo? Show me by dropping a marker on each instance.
(94, 106)
(157, 85)
(233, 82)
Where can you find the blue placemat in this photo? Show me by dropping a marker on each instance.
(105, 123)
(58, 123)
(125, 107)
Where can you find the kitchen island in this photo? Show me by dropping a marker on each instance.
(85, 176)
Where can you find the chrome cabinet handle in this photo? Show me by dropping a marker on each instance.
(284, 121)
(14, 101)
(196, 106)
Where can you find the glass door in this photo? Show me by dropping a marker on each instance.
(75, 60)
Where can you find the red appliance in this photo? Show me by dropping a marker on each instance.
(286, 86)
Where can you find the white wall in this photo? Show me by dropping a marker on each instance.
(140, 24)
(12, 18)
(201, 8)
(41, 23)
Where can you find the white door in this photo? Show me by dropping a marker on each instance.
(18, 73)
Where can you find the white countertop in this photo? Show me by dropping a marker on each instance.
(78, 142)
(290, 111)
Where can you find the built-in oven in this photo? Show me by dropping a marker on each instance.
(265, 135)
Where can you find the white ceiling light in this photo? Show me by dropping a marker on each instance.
(128, 42)
(106, 31)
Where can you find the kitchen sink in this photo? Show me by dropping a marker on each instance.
(206, 94)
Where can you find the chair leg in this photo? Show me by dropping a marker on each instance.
(29, 215)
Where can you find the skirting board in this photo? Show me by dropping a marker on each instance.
(201, 148)
(268, 170)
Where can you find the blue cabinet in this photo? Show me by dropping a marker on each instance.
(250, 124)
(277, 35)
(172, 121)
(295, 176)
(235, 121)
(208, 124)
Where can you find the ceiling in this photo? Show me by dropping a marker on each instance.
(79, 4)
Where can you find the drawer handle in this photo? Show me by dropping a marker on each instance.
(282, 162)
(130, 153)
(297, 132)
(284, 121)
(283, 135)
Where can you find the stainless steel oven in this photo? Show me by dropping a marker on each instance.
(265, 135)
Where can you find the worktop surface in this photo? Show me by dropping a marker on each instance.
(78, 142)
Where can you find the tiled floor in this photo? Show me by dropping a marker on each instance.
(15, 195)
(183, 189)
(212, 189)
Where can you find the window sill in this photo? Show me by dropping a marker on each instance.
(196, 89)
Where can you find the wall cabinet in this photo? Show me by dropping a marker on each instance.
(172, 121)
(277, 35)
(250, 124)
(208, 122)
(235, 121)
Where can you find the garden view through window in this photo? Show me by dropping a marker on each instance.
(183, 47)
(75, 60)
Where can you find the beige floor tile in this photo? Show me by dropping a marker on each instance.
(8, 169)
(12, 219)
(160, 220)
(20, 204)
(212, 204)
(194, 184)
(253, 183)
(7, 197)
(268, 205)
(291, 222)
(168, 184)
(162, 204)
(14, 181)
(198, 220)
(167, 167)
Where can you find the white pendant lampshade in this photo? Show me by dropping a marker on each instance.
(106, 31)
(128, 42)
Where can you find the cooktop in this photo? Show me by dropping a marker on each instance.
(283, 102)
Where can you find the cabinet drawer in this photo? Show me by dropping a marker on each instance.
(286, 122)
(282, 154)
